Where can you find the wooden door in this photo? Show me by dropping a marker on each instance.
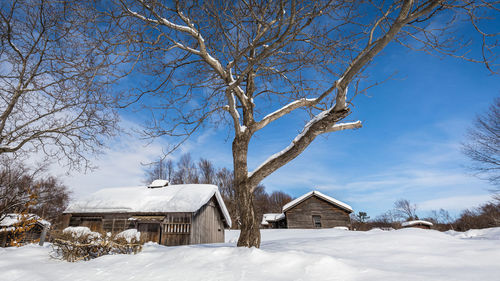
(149, 231)
(95, 224)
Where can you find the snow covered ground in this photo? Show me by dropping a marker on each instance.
(326, 254)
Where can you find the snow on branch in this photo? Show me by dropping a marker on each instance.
(283, 111)
(163, 20)
(345, 126)
(295, 105)
(314, 127)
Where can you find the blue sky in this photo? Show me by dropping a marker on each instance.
(409, 146)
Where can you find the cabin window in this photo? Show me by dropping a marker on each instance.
(74, 221)
(317, 221)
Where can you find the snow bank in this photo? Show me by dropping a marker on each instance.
(81, 231)
(323, 254)
(486, 233)
(129, 235)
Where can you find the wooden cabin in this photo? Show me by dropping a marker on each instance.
(10, 222)
(167, 214)
(311, 210)
(417, 224)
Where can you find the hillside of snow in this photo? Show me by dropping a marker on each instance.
(326, 254)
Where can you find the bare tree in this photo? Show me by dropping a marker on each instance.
(52, 198)
(55, 68)
(261, 202)
(15, 184)
(186, 171)
(251, 63)
(404, 209)
(441, 219)
(163, 169)
(483, 146)
(388, 218)
(277, 200)
(47, 196)
(207, 171)
(225, 182)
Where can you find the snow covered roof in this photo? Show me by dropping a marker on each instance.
(266, 218)
(141, 199)
(14, 218)
(320, 195)
(416, 222)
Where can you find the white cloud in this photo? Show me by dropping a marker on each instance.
(120, 165)
(456, 203)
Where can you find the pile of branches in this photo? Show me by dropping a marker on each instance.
(90, 245)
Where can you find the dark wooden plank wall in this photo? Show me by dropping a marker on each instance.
(207, 226)
(300, 216)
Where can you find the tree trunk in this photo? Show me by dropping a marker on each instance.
(250, 233)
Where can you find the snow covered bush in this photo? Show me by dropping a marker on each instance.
(80, 243)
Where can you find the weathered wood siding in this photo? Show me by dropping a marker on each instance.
(176, 228)
(207, 226)
(301, 215)
(204, 226)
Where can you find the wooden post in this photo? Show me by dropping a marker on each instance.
(4, 237)
(43, 235)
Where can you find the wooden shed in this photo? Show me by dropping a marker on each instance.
(167, 214)
(273, 220)
(417, 224)
(311, 210)
(10, 222)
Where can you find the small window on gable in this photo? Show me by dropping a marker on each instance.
(317, 221)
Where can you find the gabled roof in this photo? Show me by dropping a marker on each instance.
(141, 199)
(272, 217)
(416, 222)
(329, 199)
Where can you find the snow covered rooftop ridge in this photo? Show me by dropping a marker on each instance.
(141, 199)
(158, 183)
(320, 195)
(415, 222)
(271, 217)
(11, 219)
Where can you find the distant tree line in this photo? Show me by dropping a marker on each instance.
(188, 171)
(484, 216)
(29, 190)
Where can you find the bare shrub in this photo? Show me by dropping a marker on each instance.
(80, 243)
(487, 215)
